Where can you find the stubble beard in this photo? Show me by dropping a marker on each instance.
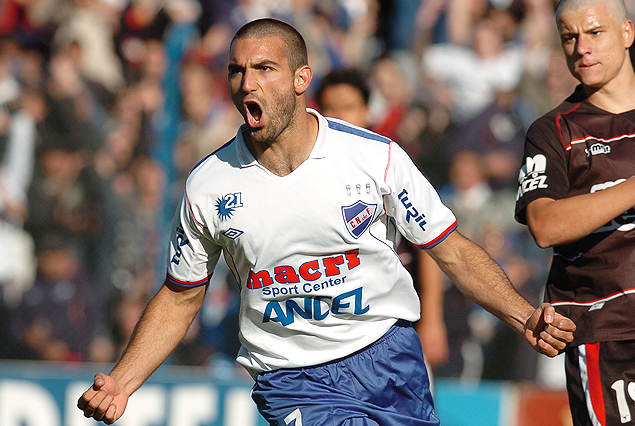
(280, 116)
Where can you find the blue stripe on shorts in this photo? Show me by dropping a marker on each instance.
(385, 384)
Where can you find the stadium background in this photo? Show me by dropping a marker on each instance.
(105, 105)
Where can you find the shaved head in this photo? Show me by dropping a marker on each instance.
(616, 8)
(267, 27)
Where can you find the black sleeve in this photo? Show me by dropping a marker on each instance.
(544, 170)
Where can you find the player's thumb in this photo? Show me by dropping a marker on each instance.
(548, 313)
(104, 382)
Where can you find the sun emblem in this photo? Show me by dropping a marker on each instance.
(223, 208)
(227, 205)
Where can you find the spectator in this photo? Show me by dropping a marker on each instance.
(17, 264)
(65, 198)
(393, 81)
(345, 94)
(90, 28)
(467, 79)
(60, 317)
(447, 21)
(209, 117)
(422, 132)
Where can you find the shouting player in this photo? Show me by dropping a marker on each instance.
(305, 209)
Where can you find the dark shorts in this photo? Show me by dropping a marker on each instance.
(601, 383)
(385, 384)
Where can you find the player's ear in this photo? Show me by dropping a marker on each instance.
(303, 76)
(629, 33)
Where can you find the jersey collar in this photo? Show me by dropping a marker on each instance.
(247, 159)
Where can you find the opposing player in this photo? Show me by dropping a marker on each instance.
(304, 209)
(577, 195)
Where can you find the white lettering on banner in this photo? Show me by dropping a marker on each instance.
(29, 403)
(193, 405)
(73, 415)
(23, 403)
(146, 407)
(240, 408)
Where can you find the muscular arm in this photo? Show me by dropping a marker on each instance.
(161, 327)
(474, 272)
(159, 330)
(550, 221)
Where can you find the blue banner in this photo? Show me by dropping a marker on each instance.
(36, 394)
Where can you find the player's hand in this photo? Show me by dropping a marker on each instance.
(104, 401)
(547, 331)
(434, 341)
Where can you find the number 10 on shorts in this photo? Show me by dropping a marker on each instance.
(620, 394)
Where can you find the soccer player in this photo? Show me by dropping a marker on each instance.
(577, 194)
(304, 210)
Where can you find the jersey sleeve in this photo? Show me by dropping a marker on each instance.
(192, 255)
(414, 204)
(544, 170)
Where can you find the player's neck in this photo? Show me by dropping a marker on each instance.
(290, 149)
(617, 96)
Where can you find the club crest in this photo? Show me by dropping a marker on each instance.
(358, 217)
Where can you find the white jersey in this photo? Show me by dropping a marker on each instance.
(313, 251)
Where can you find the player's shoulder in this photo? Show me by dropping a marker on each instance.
(225, 155)
(213, 168)
(551, 121)
(348, 136)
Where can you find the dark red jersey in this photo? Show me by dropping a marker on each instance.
(577, 149)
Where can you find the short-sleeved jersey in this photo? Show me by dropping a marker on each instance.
(312, 251)
(578, 149)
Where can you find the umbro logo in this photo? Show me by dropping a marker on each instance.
(232, 233)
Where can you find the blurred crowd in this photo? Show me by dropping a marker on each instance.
(106, 105)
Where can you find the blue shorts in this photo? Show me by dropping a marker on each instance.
(384, 384)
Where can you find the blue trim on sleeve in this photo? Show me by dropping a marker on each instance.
(342, 126)
(187, 284)
(440, 238)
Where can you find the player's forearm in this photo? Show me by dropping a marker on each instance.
(477, 276)
(555, 222)
(163, 324)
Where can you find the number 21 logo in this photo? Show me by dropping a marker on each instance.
(227, 205)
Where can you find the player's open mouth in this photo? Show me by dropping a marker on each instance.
(253, 113)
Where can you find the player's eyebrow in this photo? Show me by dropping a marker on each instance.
(233, 66)
(266, 63)
(592, 29)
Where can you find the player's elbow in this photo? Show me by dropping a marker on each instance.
(543, 237)
(542, 242)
